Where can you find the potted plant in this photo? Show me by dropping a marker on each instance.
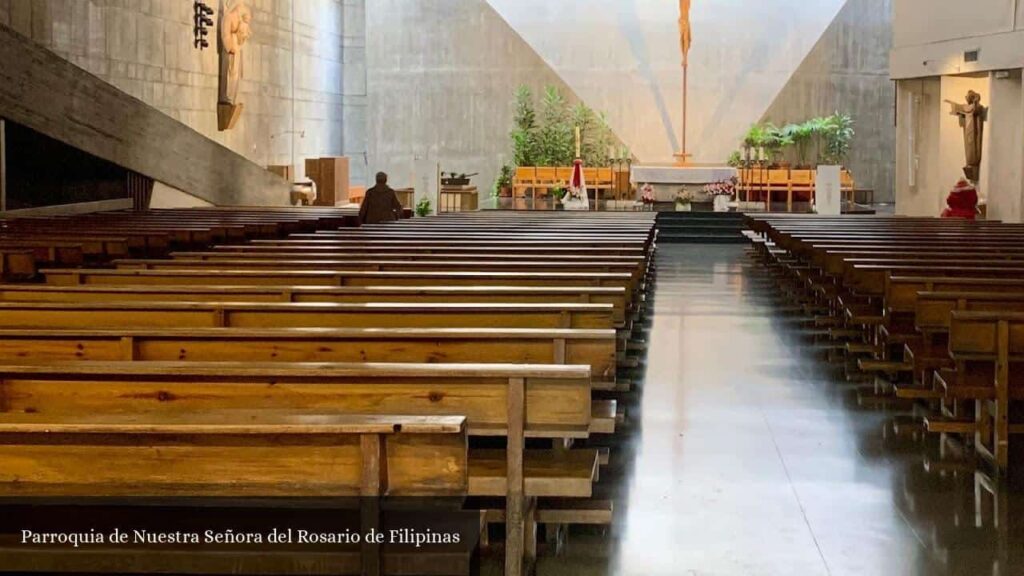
(753, 142)
(816, 127)
(774, 141)
(735, 159)
(722, 193)
(801, 135)
(423, 207)
(683, 201)
(503, 183)
(837, 137)
(647, 195)
(524, 130)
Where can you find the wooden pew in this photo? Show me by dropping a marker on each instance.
(240, 253)
(288, 248)
(17, 264)
(901, 291)
(497, 400)
(506, 244)
(236, 453)
(94, 246)
(308, 315)
(932, 317)
(53, 253)
(593, 348)
(545, 239)
(442, 265)
(247, 457)
(340, 295)
(986, 348)
(218, 277)
(842, 267)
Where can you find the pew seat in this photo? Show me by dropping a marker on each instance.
(240, 453)
(128, 315)
(593, 348)
(17, 264)
(978, 383)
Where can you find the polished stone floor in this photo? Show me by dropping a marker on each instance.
(747, 454)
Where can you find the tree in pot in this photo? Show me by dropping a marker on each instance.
(774, 141)
(753, 142)
(423, 207)
(801, 136)
(503, 183)
(837, 138)
(555, 138)
(524, 130)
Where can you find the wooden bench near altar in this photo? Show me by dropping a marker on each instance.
(767, 184)
(544, 179)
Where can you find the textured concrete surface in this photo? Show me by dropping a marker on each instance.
(441, 76)
(45, 92)
(295, 93)
(623, 56)
(848, 70)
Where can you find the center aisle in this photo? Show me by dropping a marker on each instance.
(753, 457)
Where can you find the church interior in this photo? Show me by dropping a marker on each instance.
(519, 287)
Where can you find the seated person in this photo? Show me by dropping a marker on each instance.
(962, 202)
(380, 204)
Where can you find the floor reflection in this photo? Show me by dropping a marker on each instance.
(748, 454)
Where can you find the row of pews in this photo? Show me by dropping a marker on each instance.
(284, 354)
(934, 307)
(28, 244)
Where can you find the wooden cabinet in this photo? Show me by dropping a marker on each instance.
(331, 175)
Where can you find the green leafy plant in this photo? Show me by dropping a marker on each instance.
(504, 180)
(524, 131)
(753, 142)
(837, 138)
(774, 141)
(735, 159)
(555, 138)
(800, 135)
(596, 136)
(817, 127)
(558, 192)
(423, 207)
(544, 135)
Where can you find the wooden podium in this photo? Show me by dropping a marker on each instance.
(331, 175)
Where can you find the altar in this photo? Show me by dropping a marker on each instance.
(667, 179)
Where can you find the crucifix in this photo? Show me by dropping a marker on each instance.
(685, 40)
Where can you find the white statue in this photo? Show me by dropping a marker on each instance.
(233, 32)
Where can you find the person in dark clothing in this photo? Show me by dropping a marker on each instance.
(380, 204)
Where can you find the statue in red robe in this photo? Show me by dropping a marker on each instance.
(962, 201)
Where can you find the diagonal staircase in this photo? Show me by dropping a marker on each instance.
(701, 228)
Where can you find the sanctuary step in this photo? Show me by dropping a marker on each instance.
(701, 227)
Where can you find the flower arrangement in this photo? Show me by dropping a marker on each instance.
(647, 194)
(723, 188)
(683, 199)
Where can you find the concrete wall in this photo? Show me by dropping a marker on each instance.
(166, 197)
(623, 56)
(939, 143)
(297, 92)
(931, 36)
(1005, 140)
(441, 75)
(848, 70)
(919, 189)
(44, 92)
